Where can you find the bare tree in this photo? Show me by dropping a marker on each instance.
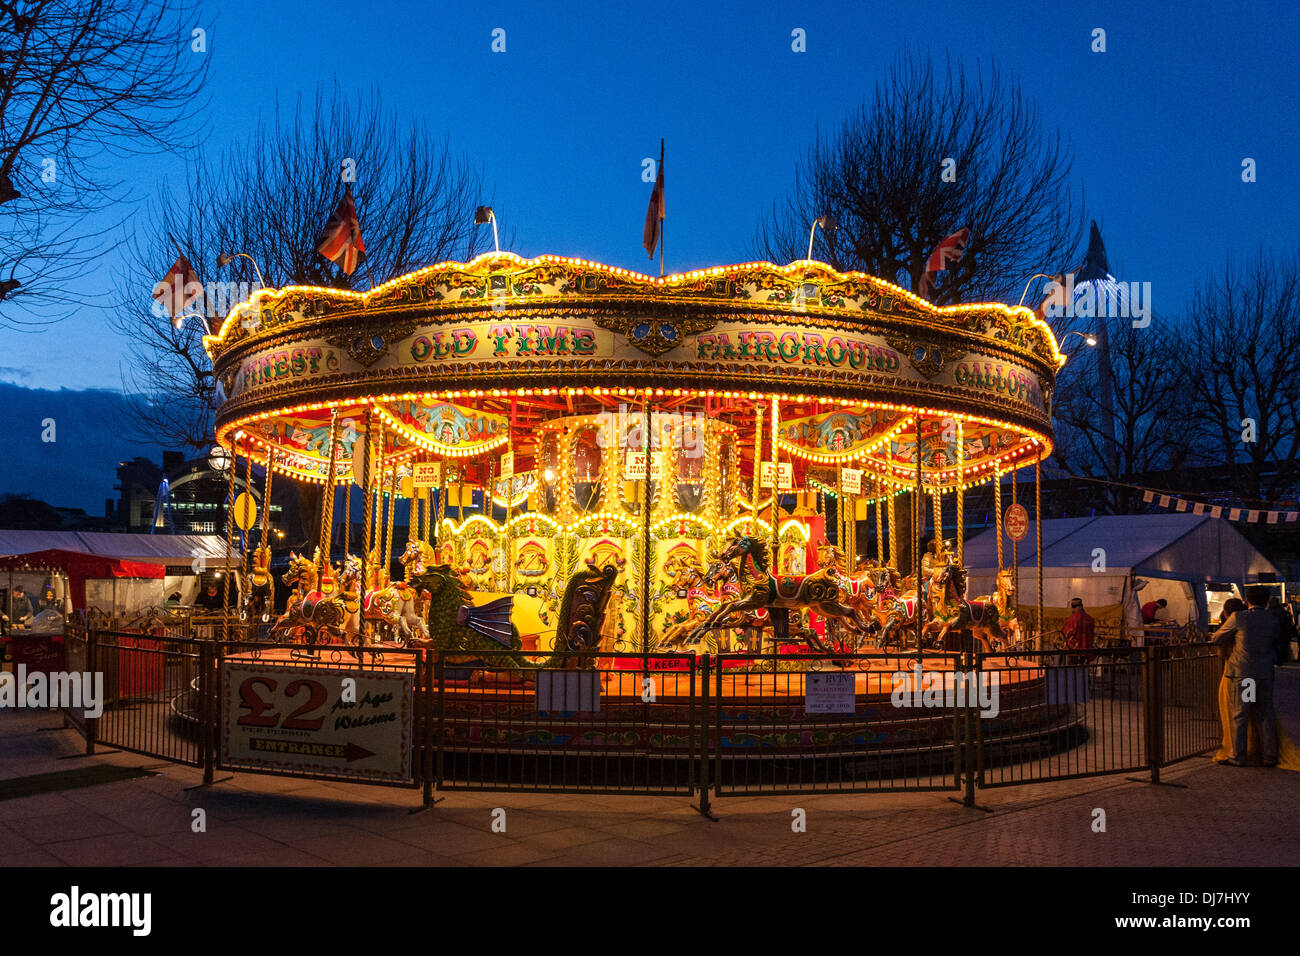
(1149, 411)
(81, 81)
(1242, 359)
(930, 154)
(269, 197)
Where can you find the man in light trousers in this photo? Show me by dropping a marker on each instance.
(1251, 637)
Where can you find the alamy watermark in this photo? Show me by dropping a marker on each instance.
(61, 690)
(946, 689)
(1111, 299)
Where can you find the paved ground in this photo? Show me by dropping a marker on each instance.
(1218, 816)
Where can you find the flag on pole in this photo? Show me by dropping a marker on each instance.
(946, 254)
(340, 241)
(1054, 299)
(654, 214)
(178, 288)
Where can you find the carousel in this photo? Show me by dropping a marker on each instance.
(564, 457)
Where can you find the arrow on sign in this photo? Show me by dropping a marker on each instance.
(353, 752)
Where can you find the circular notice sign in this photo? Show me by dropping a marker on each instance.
(1016, 522)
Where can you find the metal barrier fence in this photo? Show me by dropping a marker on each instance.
(144, 678)
(1188, 703)
(628, 725)
(1063, 714)
(765, 737)
(675, 724)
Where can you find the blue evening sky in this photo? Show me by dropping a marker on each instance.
(561, 121)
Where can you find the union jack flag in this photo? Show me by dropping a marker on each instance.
(340, 241)
(949, 252)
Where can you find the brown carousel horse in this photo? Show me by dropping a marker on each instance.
(381, 606)
(818, 592)
(859, 593)
(704, 591)
(951, 610)
(315, 612)
(894, 608)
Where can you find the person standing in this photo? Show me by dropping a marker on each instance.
(20, 607)
(1286, 630)
(1250, 639)
(1079, 629)
(1151, 609)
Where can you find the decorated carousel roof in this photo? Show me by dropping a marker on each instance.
(462, 359)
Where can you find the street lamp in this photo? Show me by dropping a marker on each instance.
(482, 216)
(226, 257)
(828, 223)
(1086, 336)
(1037, 275)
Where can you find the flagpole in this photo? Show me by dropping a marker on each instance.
(662, 219)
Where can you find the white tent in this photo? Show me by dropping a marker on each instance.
(1101, 559)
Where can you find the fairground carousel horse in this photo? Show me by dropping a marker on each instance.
(705, 591)
(894, 608)
(859, 593)
(818, 592)
(261, 589)
(454, 624)
(416, 559)
(314, 614)
(951, 610)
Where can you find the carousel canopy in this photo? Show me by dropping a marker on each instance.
(461, 360)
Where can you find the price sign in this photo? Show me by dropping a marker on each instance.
(851, 481)
(1016, 522)
(766, 474)
(785, 476)
(508, 464)
(321, 720)
(427, 474)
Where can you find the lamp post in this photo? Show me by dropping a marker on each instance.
(482, 216)
(1036, 275)
(828, 223)
(227, 257)
(1086, 336)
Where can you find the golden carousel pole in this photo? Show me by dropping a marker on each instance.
(936, 502)
(756, 492)
(645, 534)
(375, 535)
(327, 501)
(776, 484)
(1038, 532)
(997, 510)
(248, 490)
(388, 531)
(230, 541)
(880, 536)
(366, 502)
(891, 505)
(919, 513)
(1015, 547)
(960, 497)
(266, 502)
(347, 520)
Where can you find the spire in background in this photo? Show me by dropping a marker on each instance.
(1095, 266)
